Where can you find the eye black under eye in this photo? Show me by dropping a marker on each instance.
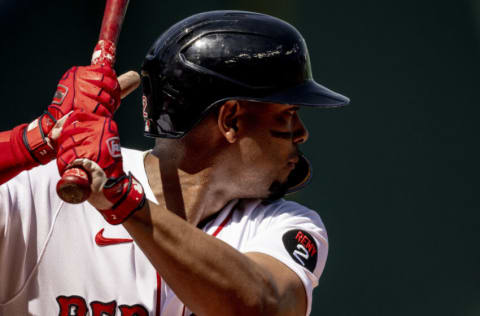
(286, 135)
(277, 134)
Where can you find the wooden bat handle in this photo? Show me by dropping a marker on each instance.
(74, 186)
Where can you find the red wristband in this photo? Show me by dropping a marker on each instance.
(132, 199)
(36, 142)
(16, 156)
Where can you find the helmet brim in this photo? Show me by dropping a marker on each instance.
(308, 93)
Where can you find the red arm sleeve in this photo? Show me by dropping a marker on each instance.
(14, 156)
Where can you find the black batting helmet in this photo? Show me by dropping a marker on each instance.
(211, 57)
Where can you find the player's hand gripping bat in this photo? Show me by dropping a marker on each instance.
(74, 187)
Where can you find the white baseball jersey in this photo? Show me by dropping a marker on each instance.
(63, 259)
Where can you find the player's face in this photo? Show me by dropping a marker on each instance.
(270, 143)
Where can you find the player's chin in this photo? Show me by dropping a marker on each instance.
(285, 173)
(280, 186)
(269, 190)
(277, 190)
(268, 185)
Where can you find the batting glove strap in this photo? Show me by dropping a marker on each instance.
(132, 198)
(37, 143)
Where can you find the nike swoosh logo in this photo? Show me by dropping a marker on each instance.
(100, 240)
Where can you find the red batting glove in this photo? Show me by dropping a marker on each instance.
(94, 89)
(91, 141)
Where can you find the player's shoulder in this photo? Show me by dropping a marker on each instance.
(132, 158)
(280, 207)
(281, 210)
(288, 206)
(133, 162)
(40, 176)
(130, 153)
(36, 186)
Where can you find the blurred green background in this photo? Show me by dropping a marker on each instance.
(395, 173)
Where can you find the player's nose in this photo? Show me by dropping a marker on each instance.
(300, 132)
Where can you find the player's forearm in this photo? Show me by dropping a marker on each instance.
(14, 157)
(208, 275)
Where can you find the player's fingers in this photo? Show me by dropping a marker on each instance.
(58, 127)
(101, 103)
(72, 136)
(102, 69)
(108, 101)
(128, 81)
(89, 75)
(105, 98)
(105, 92)
(110, 84)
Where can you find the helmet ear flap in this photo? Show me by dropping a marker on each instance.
(146, 83)
(300, 176)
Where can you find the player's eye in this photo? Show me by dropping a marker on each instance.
(292, 111)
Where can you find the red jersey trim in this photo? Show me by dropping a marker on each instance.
(222, 225)
(159, 294)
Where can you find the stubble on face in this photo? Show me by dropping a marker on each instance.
(278, 189)
(269, 129)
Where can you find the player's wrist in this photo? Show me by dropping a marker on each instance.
(127, 196)
(21, 155)
(36, 140)
(40, 137)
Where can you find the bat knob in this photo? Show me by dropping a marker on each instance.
(74, 186)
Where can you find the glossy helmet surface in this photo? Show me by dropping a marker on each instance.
(211, 57)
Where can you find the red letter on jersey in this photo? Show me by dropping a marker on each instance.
(103, 309)
(135, 310)
(299, 236)
(72, 306)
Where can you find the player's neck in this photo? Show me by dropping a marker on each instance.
(192, 196)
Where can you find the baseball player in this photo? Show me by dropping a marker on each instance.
(195, 226)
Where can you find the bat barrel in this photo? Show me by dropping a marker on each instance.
(112, 20)
(104, 52)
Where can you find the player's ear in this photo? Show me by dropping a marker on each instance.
(228, 115)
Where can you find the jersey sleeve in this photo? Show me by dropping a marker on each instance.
(296, 236)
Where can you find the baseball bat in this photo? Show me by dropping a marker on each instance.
(74, 186)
